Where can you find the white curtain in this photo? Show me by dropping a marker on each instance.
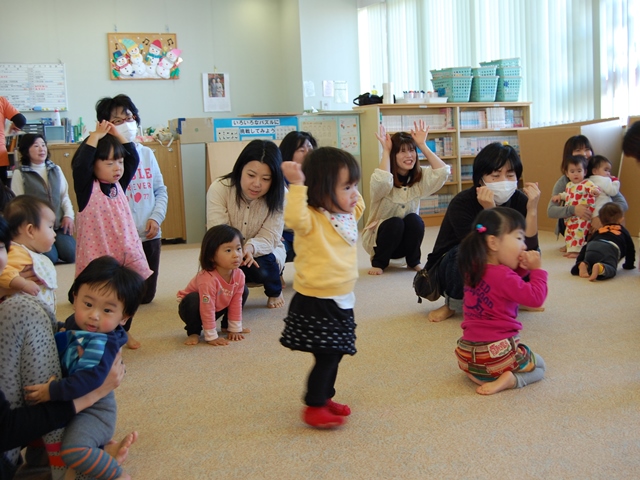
(579, 58)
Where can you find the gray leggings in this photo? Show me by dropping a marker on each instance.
(525, 378)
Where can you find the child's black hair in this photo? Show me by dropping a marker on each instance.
(109, 147)
(212, 240)
(24, 209)
(321, 169)
(472, 253)
(595, 162)
(578, 160)
(106, 274)
(5, 233)
(6, 195)
(631, 141)
(610, 214)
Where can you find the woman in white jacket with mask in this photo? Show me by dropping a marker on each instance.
(147, 192)
(496, 171)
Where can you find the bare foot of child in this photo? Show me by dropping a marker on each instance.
(375, 271)
(417, 268)
(440, 314)
(120, 450)
(244, 330)
(563, 248)
(504, 382)
(571, 255)
(596, 270)
(132, 343)
(192, 339)
(219, 342)
(275, 302)
(282, 282)
(583, 270)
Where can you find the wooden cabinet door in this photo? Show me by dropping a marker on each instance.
(170, 163)
(61, 155)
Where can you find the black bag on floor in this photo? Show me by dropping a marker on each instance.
(426, 283)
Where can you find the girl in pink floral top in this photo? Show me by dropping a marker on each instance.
(499, 274)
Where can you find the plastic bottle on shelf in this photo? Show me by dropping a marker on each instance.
(374, 91)
(56, 118)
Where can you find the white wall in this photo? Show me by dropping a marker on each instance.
(258, 42)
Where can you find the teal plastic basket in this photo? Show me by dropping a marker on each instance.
(503, 62)
(451, 72)
(508, 89)
(509, 71)
(457, 89)
(483, 89)
(488, 71)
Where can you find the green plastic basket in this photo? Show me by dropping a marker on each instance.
(451, 72)
(483, 89)
(488, 71)
(508, 89)
(503, 62)
(509, 71)
(457, 89)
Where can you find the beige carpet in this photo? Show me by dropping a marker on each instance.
(234, 412)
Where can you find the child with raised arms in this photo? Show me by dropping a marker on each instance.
(217, 290)
(103, 166)
(323, 208)
(31, 222)
(493, 261)
(105, 295)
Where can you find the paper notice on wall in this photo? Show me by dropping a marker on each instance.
(309, 89)
(340, 91)
(215, 92)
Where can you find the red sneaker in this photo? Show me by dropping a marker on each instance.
(321, 417)
(338, 408)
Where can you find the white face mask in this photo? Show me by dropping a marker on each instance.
(502, 191)
(128, 130)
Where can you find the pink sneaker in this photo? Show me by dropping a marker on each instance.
(338, 408)
(321, 417)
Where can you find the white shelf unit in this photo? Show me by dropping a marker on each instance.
(460, 130)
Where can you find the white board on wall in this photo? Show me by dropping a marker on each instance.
(34, 86)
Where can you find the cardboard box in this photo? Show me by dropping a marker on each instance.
(192, 130)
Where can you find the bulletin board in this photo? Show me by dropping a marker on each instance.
(239, 129)
(144, 56)
(34, 86)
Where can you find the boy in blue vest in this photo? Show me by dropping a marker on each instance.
(105, 295)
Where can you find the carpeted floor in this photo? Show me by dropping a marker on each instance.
(233, 412)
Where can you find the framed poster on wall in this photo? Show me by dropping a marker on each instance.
(143, 56)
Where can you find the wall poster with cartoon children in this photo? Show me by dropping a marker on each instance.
(143, 56)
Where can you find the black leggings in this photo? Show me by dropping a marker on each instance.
(322, 379)
(398, 238)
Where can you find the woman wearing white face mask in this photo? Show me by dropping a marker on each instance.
(147, 193)
(496, 171)
(37, 175)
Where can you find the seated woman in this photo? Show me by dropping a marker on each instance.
(37, 175)
(576, 145)
(294, 147)
(28, 356)
(251, 198)
(496, 172)
(394, 227)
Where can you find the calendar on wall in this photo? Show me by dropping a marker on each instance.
(34, 86)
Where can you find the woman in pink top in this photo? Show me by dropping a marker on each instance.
(493, 261)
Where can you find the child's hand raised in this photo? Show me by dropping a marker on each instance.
(530, 260)
(293, 173)
(102, 128)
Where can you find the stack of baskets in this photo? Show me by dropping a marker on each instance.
(484, 85)
(510, 78)
(454, 83)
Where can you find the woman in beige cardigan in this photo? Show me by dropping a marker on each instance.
(395, 228)
(250, 198)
